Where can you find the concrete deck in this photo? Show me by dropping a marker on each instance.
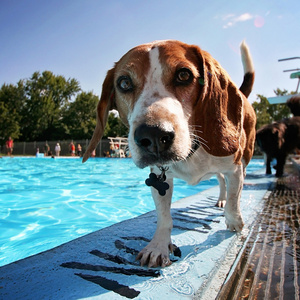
(102, 265)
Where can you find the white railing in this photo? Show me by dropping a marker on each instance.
(118, 147)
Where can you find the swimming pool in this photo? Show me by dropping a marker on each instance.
(45, 202)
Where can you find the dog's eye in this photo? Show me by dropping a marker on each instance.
(124, 84)
(184, 76)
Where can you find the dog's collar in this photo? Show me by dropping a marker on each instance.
(158, 181)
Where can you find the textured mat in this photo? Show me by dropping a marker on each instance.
(269, 267)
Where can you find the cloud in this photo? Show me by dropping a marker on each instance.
(229, 16)
(232, 19)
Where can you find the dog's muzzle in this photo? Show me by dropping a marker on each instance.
(153, 141)
(156, 146)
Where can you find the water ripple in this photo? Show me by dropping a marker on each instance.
(46, 202)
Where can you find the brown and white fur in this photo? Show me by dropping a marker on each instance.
(184, 113)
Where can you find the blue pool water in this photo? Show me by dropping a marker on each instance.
(45, 202)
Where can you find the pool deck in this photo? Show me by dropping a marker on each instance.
(269, 265)
(102, 265)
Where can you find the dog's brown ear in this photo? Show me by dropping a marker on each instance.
(105, 104)
(219, 110)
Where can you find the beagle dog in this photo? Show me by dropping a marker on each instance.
(186, 119)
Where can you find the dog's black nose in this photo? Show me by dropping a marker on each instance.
(153, 139)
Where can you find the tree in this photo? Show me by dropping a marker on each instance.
(115, 127)
(12, 99)
(79, 119)
(261, 109)
(279, 111)
(46, 96)
(267, 113)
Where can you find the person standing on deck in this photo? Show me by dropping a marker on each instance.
(9, 146)
(57, 149)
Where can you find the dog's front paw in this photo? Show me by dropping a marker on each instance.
(156, 255)
(234, 223)
(221, 203)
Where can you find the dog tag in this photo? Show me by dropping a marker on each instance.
(158, 181)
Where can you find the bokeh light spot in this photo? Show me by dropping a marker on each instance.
(259, 22)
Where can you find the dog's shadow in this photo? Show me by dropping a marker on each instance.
(197, 228)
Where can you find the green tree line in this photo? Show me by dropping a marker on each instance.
(267, 113)
(50, 107)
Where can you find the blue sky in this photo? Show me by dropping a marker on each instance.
(83, 38)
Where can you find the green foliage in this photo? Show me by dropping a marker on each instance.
(115, 127)
(12, 99)
(46, 96)
(50, 107)
(267, 113)
(79, 119)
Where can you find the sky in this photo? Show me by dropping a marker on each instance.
(82, 39)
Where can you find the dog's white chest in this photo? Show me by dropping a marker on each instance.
(200, 166)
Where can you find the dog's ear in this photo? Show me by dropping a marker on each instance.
(219, 109)
(105, 104)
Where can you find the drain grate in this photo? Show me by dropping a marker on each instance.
(269, 267)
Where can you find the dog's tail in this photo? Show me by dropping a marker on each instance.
(249, 73)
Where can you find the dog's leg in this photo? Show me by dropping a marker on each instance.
(268, 165)
(223, 194)
(157, 252)
(280, 165)
(233, 217)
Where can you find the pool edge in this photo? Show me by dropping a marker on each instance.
(20, 275)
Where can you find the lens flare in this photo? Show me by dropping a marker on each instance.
(259, 22)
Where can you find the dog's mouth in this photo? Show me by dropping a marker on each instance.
(154, 146)
(163, 160)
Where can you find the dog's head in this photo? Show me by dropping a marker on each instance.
(174, 98)
(270, 138)
(294, 105)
